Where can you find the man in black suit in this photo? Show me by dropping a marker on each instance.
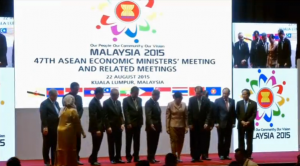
(49, 112)
(3, 51)
(246, 110)
(241, 53)
(153, 125)
(284, 50)
(254, 52)
(207, 132)
(97, 123)
(78, 102)
(262, 51)
(225, 121)
(198, 120)
(133, 113)
(115, 126)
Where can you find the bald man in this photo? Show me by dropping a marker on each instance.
(241, 53)
(198, 120)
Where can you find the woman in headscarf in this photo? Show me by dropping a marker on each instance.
(176, 123)
(68, 128)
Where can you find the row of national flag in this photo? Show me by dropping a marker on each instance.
(144, 91)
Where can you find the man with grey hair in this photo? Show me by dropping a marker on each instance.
(49, 113)
(241, 52)
(153, 125)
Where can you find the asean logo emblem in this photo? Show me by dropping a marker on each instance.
(213, 91)
(265, 98)
(127, 11)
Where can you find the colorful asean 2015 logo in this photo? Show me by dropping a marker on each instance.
(269, 97)
(128, 13)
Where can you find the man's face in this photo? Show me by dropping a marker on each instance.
(198, 93)
(114, 95)
(245, 95)
(99, 96)
(135, 94)
(75, 90)
(264, 38)
(155, 97)
(256, 35)
(226, 93)
(53, 97)
(241, 37)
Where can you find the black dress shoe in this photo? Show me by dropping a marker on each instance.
(94, 163)
(193, 161)
(136, 160)
(179, 161)
(120, 161)
(157, 161)
(206, 158)
(227, 158)
(113, 162)
(222, 158)
(79, 163)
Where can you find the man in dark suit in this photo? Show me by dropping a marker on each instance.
(262, 52)
(284, 50)
(246, 110)
(78, 102)
(256, 44)
(3, 51)
(133, 113)
(97, 123)
(241, 53)
(153, 125)
(207, 132)
(225, 121)
(49, 112)
(198, 120)
(115, 126)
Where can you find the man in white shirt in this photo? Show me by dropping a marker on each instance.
(240, 157)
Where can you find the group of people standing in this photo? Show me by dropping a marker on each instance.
(62, 129)
(263, 54)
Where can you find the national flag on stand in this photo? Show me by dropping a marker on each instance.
(163, 89)
(89, 92)
(125, 91)
(108, 90)
(60, 91)
(146, 91)
(68, 90)
(214, 91)
(183, 90)
(192, 91)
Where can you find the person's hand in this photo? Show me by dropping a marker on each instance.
(129, 126)
(205, 126)
(235, 66)
(98, 133)
(285, 64)
(247, 123)
(152, 127)
(122, 127)
(186, 130)
(109, 130)
(191, 127)
(45, 130)
(83, 135)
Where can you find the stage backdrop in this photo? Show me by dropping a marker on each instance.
(276, 122)
(7, 29)
(7, 114)
(163, 44)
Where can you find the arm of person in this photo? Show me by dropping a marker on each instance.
(186, 114)
(168, 118)
(217, 113)
(142, 117)
(247, 53)
(77, 123)
(190, 113)
(80, 107)
(253, 114)
(121, 115)
(105, 114)
(238, 112)
(43, 115)
(208, 116)
(93, 114)
(233, 114)
(251, 53)
(148, 114)
(289, 53)
(125, 111)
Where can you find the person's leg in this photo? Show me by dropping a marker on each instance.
(118, 144)
(173, 140)
(155, 142)
(180, 141)
(78, 147)
(46, 148)
(241, 136)
(136, 142)
(227, 142)
(129, 135)
(53, 144)
(221, 146)
(111, 146)
(249, 142)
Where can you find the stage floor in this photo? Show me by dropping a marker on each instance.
(260, 158)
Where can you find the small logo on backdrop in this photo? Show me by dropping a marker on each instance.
(127, 12)
(268, 90)
(213, 91)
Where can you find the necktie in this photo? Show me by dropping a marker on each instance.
(136, 105)
(55, 108)
(246, 106)
(199, 104)
(227, 104)
(282, 45)
(116, 106)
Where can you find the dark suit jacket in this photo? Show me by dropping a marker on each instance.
(255, 51)
(240, 54)
(78, 103)
(284, 55)
(222, 115)
(261, 60)
(153, 115)
(114, 114)
(248, 115)
(212, 113)
(3, 50)
(97, 116)
(49, 116)
(196, 117)
(133, 116)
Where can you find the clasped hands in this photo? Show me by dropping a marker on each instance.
(245, 123)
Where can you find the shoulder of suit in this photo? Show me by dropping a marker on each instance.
(191, 98)
(139, 98)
